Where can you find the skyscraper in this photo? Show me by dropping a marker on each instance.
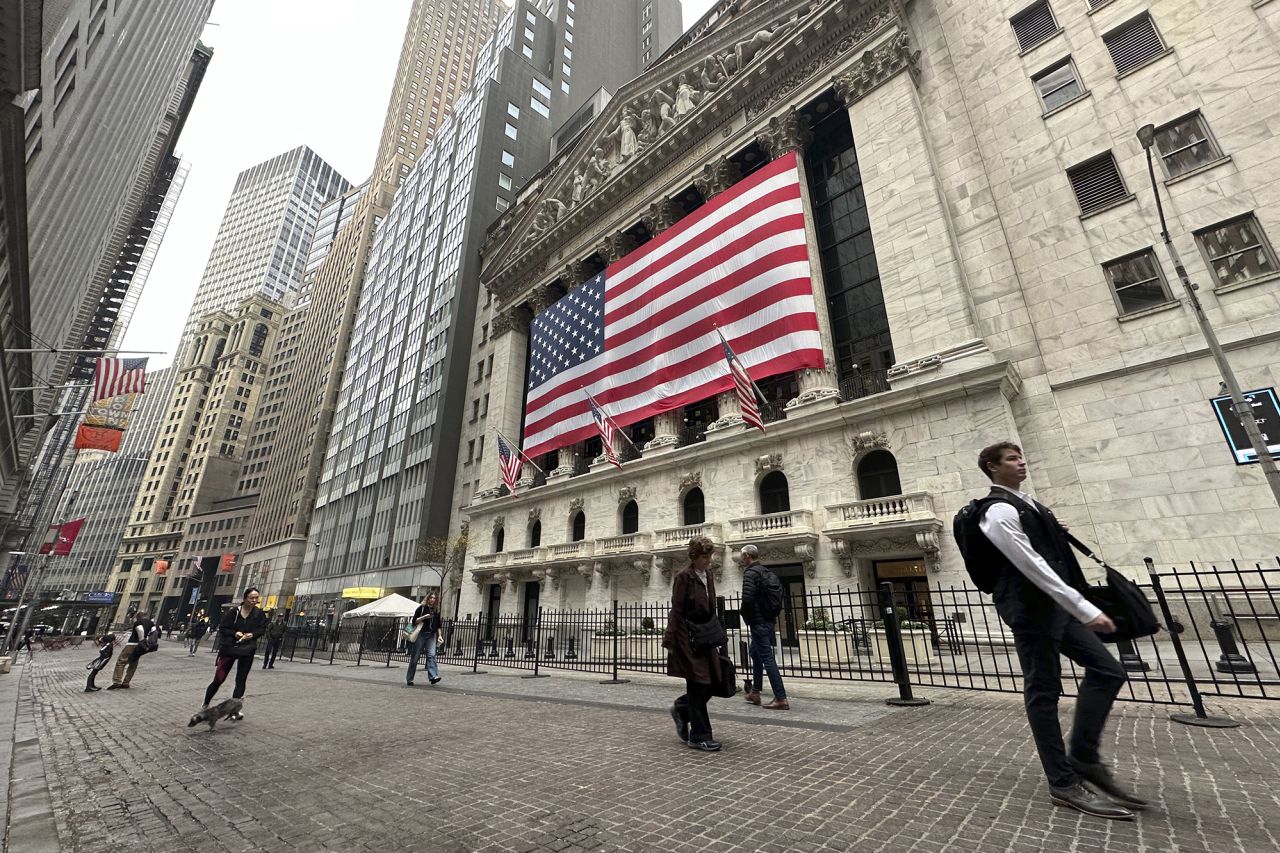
(436, 61)
(385, 496)
(257, 260)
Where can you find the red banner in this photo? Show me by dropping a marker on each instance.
(67, 534)
(50, 537)
(227, 564)
(162, 567)
(98, 438)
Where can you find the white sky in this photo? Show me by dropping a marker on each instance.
(284, 73)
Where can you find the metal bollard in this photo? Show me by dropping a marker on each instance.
(1129, 657)
(897, 657)
(550, 654)
(1230, 660)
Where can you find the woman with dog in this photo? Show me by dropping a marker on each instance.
(693, 603)
(238, 635)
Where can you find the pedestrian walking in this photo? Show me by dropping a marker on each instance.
(1039, 595)
(275, 639)
(27, 636)
(693, 611)
(427, 616)
(761, 604)
(106, 647)
(195, 634)
(127, 662)
(238, 635)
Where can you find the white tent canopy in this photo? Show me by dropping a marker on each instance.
(392, 605)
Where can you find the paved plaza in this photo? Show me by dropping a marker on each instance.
(346, 758)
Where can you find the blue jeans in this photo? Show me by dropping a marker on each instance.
(427, 644)
(762, 660)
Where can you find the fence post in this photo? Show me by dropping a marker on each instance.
(616, 630)
(475, 655)
(335, 636)
(364, 629)
(312, 659)
(395, 642)
(537, 644)
(897, 656)
(1199, 718)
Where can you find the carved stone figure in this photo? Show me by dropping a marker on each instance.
(548, 214)
(712, 74)
(579, 187)
(648, 127)
(685, 96)
(597, 169)
(628, 143)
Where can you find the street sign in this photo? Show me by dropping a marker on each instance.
(100, 597)
(1266, 411)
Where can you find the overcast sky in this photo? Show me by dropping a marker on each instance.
(284, 73)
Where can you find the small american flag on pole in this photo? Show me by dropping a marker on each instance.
(745, 387)
(604, 424)
(115, 376)
(510, 461)
(641, 337)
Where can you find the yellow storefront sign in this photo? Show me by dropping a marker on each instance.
(271, 603)
(361, 592)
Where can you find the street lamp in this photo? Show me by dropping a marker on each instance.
(1244, 411)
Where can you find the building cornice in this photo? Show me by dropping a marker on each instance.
(656, 120)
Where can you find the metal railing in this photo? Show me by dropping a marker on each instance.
(863, 384)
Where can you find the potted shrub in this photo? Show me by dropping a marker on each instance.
(602, 641)
(644, 644)
(824, 640)
(917, 646)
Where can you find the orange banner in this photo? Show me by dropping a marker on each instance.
(162, 567)
(227, 564)
(98, 438)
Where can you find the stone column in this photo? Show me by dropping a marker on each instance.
(666, 430)
(730, 412)
(568, 459)
(782, 135)
(510, 330)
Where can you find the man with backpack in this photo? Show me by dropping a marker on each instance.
(1016, 549)
(761, 604)
(143, 637)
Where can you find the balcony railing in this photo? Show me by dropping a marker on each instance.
(524, 556)
(691, 435)
(678, 537)
(570, 550)
(490, 561)
(773, 410)
(793, 522)
(907, 511)
(624, 544)
(863, 384)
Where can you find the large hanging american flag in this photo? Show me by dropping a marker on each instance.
(115, 376)
(641, 337)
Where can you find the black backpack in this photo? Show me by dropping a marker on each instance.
(981, 559)
(769, 594)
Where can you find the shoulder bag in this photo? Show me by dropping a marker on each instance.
(725, 682)
(1121, 600)
(707, 635)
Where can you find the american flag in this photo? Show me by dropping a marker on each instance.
(604, 425)
(641, 337)
(510, 462)
(115, 376)
(745, 387)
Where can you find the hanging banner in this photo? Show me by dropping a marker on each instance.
(104, 423)
(162, 567)
(67, 534)
(227, 564)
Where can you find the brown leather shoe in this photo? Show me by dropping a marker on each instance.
(778, 705)
(753, 697)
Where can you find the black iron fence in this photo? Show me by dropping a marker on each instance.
(1220, 637)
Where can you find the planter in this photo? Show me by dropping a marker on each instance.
(819, 647)
(602, 647)
(917, 645)
(645, 648)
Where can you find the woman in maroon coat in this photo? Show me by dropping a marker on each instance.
(693, 599)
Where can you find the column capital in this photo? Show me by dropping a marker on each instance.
(717, 176)
(785, 133)
(876, 66)
(661, 216)
(511, 320)
(616, 246)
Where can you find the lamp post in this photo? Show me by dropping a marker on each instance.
(1243, 410)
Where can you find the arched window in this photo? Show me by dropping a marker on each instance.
(695, 510)
(774, 495)
(630, 518)
(535, 534)
(498, 537)
(878, 476)
(578, 528)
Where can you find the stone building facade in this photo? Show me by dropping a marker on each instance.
(984, 250)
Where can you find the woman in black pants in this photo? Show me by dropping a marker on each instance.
(693, 600)
(238, 642)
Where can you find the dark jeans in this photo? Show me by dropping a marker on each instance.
(692, 706)
(762, 660)
(220, 671)
(1041, 638)
(273, 649)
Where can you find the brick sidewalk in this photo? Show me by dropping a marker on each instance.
(348, 759)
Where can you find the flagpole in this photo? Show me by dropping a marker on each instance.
(54, 351)
(754, 386)
(523, 456)
(616, 427)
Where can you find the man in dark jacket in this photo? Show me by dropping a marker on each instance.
(759, 614)
(127, 662)
(199, 627)
(1039, 595)
(275, 638)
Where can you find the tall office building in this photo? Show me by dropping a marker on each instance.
(440, 46)
(109, 74)
(257, 260)
(385, 495)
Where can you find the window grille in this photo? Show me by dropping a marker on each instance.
(1034, 25)
(1097, 183)
(1134, 43)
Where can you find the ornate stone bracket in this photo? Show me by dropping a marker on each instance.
(499, 521)
(535, 514)
(771, 462)
(643, 568)
(840, 548)
(717, 176)
(927, 541)
(576, 505)
(553, 574)
(585, 570)
(662, 565)
(692, 480)
(875, 67)
(717, 564)
(785, 133)
(804, 553)
(626, 494)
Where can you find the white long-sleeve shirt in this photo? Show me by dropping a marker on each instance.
(1003, 527)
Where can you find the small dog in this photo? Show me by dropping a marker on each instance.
(213, 713)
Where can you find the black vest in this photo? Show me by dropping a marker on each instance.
(1049, 539)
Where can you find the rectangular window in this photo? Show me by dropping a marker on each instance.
(527, 51)
(1058, 85)
(540, 108)
(1034, 25)
(504, 181)
(1237, 250)
(530, 17)
(528, 34)
(511, 131)
(508, 159)
(471, 450)
(501, 204)
(565, 69)
(1097, 183)
(542, 89)
(1137, 282)
(1185, 144)
(564, 86)
(1134, 43)
(513, 110)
